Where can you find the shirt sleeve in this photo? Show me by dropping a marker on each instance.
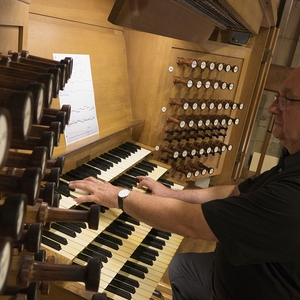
(258, 226)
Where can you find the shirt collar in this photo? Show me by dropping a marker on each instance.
(288, 161)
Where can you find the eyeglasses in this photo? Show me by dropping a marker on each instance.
(282, 101)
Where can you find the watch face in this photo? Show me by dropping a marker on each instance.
(124, 193)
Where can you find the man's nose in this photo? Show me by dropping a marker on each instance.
(274, 108)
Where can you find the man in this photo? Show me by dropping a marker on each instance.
(256, 224)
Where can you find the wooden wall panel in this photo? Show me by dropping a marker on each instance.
(106, 48)
(13, 25)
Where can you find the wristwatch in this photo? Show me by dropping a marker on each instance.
(121, 196)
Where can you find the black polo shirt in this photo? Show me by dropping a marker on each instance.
(258, 253)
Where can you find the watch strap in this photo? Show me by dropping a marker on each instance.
(120, 202)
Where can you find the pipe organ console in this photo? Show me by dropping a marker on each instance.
(177, 117)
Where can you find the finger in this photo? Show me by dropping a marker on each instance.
(83, 199)
(92, 179)
(81, 185)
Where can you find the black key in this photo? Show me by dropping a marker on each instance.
(130, 281)
(122, 184)
(149, 236)
(125, 225)
(118, 291)
(51, 243)
(83, 257)
(68, 177)
(153, 243)
(144, 253)
(80, 224)
(97, 165)
(100, 250)
(163, 234)
(142, 258)
(129, 178)
(126, 147)
(145, 249)
(111, 158)
(55, 237)
(123, 286)
(116, 225)
(124, 150)
(63, 229)
(63, 189)
(139, 172)
(77, 174)
(118, 153)
(129, 219)
(86, 257)
(136, 266)
(81, 207)
(143, 167)
(70, 226)
(134, 173)
(107, 243)
(133, 145)
(111, 238)
(105, 162)
(168, 182)
(90, 170)
(116, 231)
(149, 163)
(133, 271)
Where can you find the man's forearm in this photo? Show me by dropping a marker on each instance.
(169, 214)
(206, 194)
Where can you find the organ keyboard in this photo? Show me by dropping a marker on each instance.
(134, 255)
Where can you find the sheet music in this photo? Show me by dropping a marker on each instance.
(79, 93)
